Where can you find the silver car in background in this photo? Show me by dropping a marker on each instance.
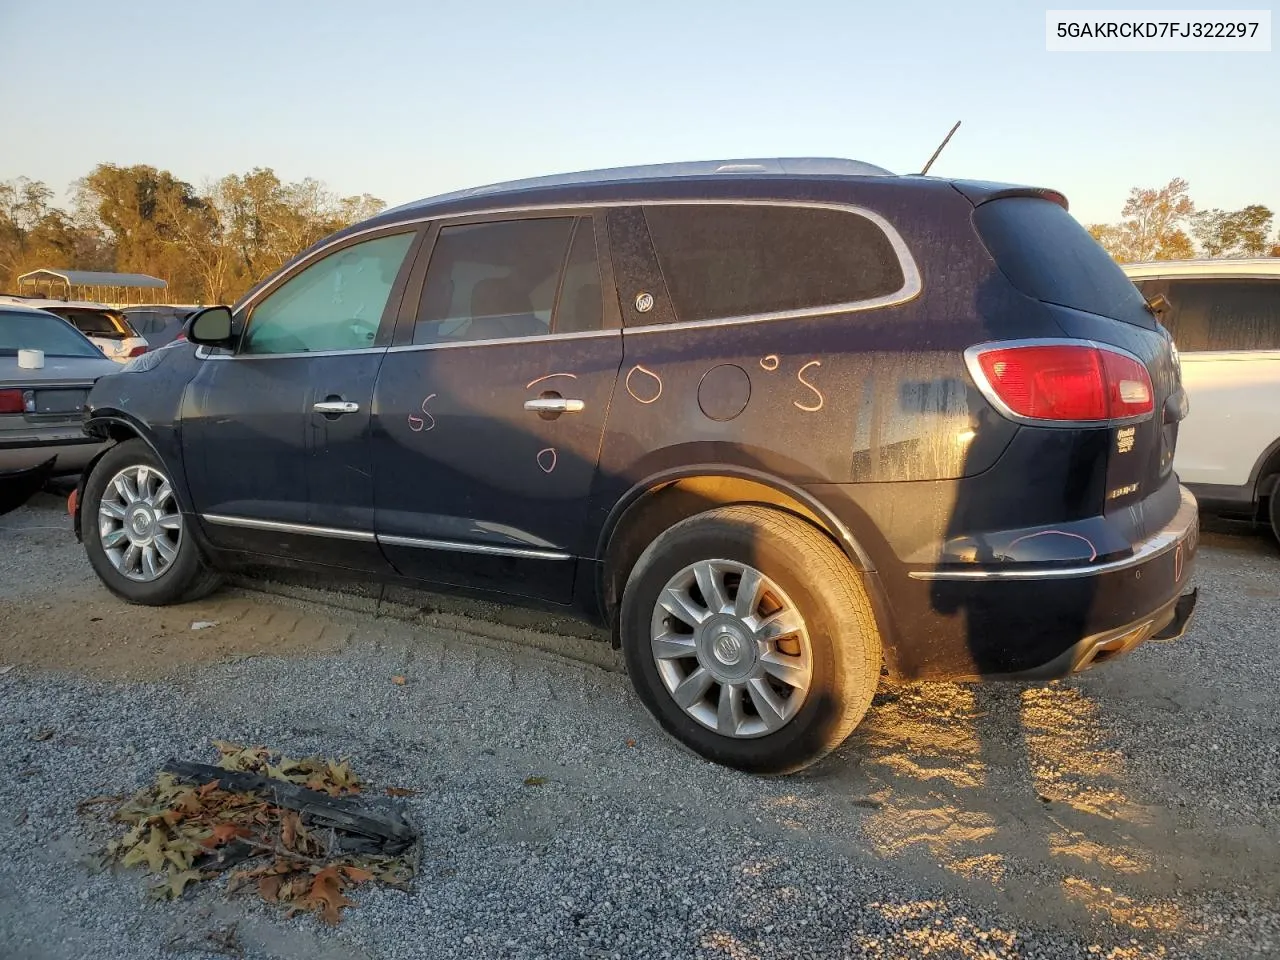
(41, 408)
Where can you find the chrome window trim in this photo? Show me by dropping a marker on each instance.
(1175, 532)
(366, 536)
(988, 391)
(912, 283)
(203, 354)
(539, 338)
(252, 523)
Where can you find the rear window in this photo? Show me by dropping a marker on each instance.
(730, 260)
(96, 323)
(1047, 254)
(35, 331)
(1206, 314)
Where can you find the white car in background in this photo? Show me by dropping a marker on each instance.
(1225, 319)
(108, 328)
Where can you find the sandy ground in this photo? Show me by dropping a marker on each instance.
(1128, 813)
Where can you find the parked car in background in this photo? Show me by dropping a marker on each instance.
(42, 409)
(160, 324)
(1225, 319)
(779, 424)
(107, 327)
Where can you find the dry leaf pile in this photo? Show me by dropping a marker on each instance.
(185, 833)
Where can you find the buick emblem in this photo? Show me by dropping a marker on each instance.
(644, 302)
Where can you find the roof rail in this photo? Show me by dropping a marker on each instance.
(777, 166)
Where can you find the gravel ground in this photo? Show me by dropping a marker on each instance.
(1128, 813)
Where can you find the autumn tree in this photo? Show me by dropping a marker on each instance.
(1152, 228)
(1235, 233)
(34, 234)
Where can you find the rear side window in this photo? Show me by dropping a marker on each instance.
(499, 280)
(1048, 255)
(1206, 314)
(732, 260)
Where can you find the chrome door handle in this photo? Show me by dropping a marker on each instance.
(335, 406)
(554, 405)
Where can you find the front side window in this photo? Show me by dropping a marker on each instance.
(1221, 314)
(733, 260)
(333, 304)
(500, 280)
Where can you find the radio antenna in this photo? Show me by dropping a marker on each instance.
(945, 141)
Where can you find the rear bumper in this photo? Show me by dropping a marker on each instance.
(1045, 620)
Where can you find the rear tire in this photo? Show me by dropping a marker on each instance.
(1274, 509)
(135, 535)
(772, 678)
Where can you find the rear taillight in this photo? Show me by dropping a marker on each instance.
(11, 401)
(1062, 381)
(136, 352)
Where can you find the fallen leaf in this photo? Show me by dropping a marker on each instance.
(631, 743)
(289, 824)
(225, 833)
(534, 781)
(208, 788)
(357, 874)
(400, 792)
(269, 887)
(151, 852)
(326, 895)
(177, 883)
(399, 681)
(44, 733)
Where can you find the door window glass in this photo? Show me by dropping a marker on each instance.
(1223, 314)
(581, 306)
(493, 281)
(334, 304)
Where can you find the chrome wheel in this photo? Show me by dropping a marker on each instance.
(731, 648)
(139, 524)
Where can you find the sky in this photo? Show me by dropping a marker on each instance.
(405, 99)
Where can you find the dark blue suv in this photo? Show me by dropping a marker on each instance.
(783, 425)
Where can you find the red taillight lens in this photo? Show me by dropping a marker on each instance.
(1067, 382)
(136, 352)
(11, 401)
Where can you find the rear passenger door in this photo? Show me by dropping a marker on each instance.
(491, 406)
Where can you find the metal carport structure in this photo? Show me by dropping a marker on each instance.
(108, 288)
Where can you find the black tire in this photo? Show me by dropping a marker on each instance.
(188, 576)
(824, 587)
(1274, 509)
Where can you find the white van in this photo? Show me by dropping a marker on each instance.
(1225, 319)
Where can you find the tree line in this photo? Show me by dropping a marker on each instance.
(1163, 223)
(210, 244)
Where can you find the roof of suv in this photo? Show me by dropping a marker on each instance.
(1216, 269)
(778, 166)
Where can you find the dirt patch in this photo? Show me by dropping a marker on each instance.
(88, 630)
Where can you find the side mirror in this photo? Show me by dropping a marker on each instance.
(211, 327)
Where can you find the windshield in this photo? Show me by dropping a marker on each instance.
(38, 331)
(95, 323)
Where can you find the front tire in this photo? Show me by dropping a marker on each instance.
(135, 534)
(749, 637)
